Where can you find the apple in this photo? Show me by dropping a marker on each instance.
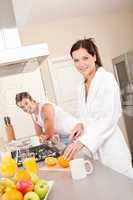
(24, 186)
(41, 188)
(31, 196)
(34, 178)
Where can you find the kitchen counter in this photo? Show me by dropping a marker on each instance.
(103, 183)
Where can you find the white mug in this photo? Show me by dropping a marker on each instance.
(78, 168)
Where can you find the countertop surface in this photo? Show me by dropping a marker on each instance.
(103, 183)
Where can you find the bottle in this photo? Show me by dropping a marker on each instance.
(9, 129)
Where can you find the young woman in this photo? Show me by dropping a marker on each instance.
(99, 110)
(48, 118)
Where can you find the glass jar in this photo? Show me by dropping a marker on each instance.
(27, 158)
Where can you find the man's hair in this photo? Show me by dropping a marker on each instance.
(20, 96)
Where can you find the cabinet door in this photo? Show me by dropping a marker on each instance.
(65, 79)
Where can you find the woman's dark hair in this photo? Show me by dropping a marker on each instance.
(20, 96)
(91, 48)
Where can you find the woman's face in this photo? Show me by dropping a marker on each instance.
(27, 105)
(84, 62)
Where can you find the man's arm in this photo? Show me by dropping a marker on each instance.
(48, 112)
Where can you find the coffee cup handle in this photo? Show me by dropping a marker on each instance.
(90, 167)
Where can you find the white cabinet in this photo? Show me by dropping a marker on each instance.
(64, 80)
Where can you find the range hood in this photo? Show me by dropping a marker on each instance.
(15, 58)
(23, 54)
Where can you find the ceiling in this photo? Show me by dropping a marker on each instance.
(42, 11)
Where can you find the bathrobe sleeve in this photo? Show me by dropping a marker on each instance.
(103, 114)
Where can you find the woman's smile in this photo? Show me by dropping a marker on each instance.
(84, 62)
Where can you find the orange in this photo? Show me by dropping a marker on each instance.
(62, 162)
(50, 161)
(22, 174)
(12, 195)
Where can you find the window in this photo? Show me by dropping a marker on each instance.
(9, 38)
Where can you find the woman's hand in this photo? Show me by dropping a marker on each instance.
(76, 132)
(72, 149)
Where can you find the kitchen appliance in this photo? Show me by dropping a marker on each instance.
(123, 67)
(23, 54)
(40, 152)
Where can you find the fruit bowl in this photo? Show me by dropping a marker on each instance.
(18, 188)
(50, 184)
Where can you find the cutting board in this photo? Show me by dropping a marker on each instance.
(54, 168)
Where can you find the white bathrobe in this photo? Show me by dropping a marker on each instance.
(100, 113)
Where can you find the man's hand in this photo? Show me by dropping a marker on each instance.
(43, 138)
(72, 149)
(76, 132)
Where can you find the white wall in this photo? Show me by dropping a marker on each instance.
(113, 34)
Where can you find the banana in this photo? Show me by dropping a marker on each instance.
(8, 183)
(2, 188)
